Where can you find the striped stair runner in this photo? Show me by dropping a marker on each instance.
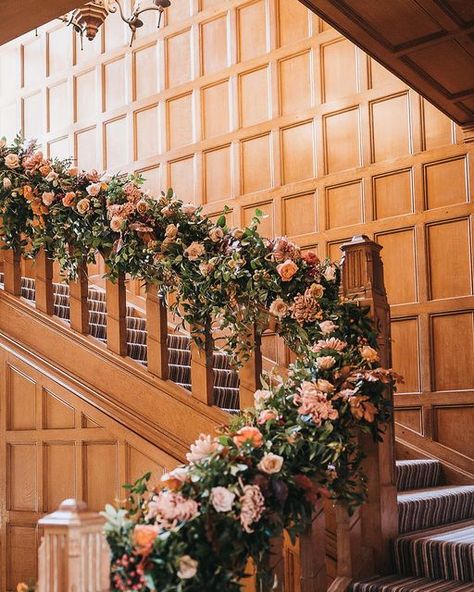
(441, 558)
(226, 379)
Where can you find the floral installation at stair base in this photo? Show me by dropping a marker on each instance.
(263, 473)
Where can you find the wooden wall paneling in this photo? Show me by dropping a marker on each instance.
(260, 104)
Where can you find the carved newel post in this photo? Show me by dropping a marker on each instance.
(362, 279)
(74, 555)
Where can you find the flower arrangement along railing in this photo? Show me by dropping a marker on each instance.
(305, 437)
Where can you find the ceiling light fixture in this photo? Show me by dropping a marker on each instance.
(87, 19)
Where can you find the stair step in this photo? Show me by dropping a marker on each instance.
(417, 474)
(427, 508)
(446, 553)
(403, 584)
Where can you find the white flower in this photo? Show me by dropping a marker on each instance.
(222, 499)
(180, 473)
(327, 327)
(261, 396)
(106, 178)
(202, 448)
(187, 567)
(6, 183)
(330, 273)
(270, 463)
(51, 176)
(94, 189)
(188, 209)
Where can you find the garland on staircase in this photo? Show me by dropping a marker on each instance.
(264, 472)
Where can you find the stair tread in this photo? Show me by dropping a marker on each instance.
(397, 583)
(417, 474)
(426, 508)
(443, 552)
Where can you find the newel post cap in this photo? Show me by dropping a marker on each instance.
(359, 240)
(72, 513)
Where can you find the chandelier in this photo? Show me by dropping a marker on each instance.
(87, 19)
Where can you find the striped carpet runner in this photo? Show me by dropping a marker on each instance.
(226, 380)
(441, 557)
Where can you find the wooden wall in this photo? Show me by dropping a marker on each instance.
(55, 445)
(261, 104)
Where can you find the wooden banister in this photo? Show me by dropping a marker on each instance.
(313, 573)
(44, 295)
(202, 371)
(157, 333)
(78, 294)
(251, 371)
(116, 301)
(362, 279)
(74, 555)
(12, 272)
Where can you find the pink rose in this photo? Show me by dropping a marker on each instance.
(12, 161)
(94, 189)
(279, 308)
(202, 448)
(222, 499)
(194, 251)
(47, 198)
(327, 327)
(187, 567)
(83, 206)
(369, 354)
(116, 223)
(266, 415)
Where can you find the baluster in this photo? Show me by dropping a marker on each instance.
(44, 295)
(78, 294)
(12, 272)
(116, 301)
(313, 576)
(362, 278)
(202, 371)
(157, 333)
(74, 555)
(251, 371)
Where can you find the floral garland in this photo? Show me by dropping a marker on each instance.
(263, 473)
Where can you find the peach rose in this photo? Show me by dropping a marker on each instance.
(51, 177)
(279, 308)
(142, 207)
(68, 199)
(216, 234)
(238, 233)
(171, 231)
(315, 290)
(12, 161)
(3, 143)
(175, 479)
(194, 251)
(116, 223)
(45, 169)
(248, 435)
(83, 206)
(72, 171)
(369, 354)
(324, 385)
(270, 463)
(48, 198)
(6, 183)
(144, 536)
(28, 192)
(287, 270)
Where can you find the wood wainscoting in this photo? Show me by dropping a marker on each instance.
(55, 444)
